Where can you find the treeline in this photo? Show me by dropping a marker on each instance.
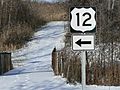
(51, 11)
(18, 19)
(103, 65)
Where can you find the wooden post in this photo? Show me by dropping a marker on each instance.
(5, 62)
(0, 65)
(54, 61)
(59, 63)
(11, 65)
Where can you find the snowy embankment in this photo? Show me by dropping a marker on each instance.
(36, 72)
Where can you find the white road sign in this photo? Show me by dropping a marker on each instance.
(83, 19)
(83, 42)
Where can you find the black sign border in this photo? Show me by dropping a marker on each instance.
(70, 17)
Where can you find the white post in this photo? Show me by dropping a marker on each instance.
(83, 70)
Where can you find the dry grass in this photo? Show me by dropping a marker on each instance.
(51, 12)
(14, 37)
(16, 31)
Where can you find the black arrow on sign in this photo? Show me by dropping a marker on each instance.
(79, 42)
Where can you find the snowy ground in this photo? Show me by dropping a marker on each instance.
(35, 72)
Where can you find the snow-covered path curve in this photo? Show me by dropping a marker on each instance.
(36, 74)
(37, 53)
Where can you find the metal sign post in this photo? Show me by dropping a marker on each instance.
(83, 70)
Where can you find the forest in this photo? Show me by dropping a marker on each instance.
(19, 20)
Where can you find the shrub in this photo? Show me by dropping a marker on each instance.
(18, 19)
(16, 36)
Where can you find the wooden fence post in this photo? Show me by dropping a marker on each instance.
(5, 62)
(2, 63)
(55, 61)
(59, 63)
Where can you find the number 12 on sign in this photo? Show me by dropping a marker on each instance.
(82, 19)
(84, 23)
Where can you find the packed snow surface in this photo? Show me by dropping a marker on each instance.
(35, 73)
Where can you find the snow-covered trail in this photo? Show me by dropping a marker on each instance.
(37, 53)
(36, 72)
